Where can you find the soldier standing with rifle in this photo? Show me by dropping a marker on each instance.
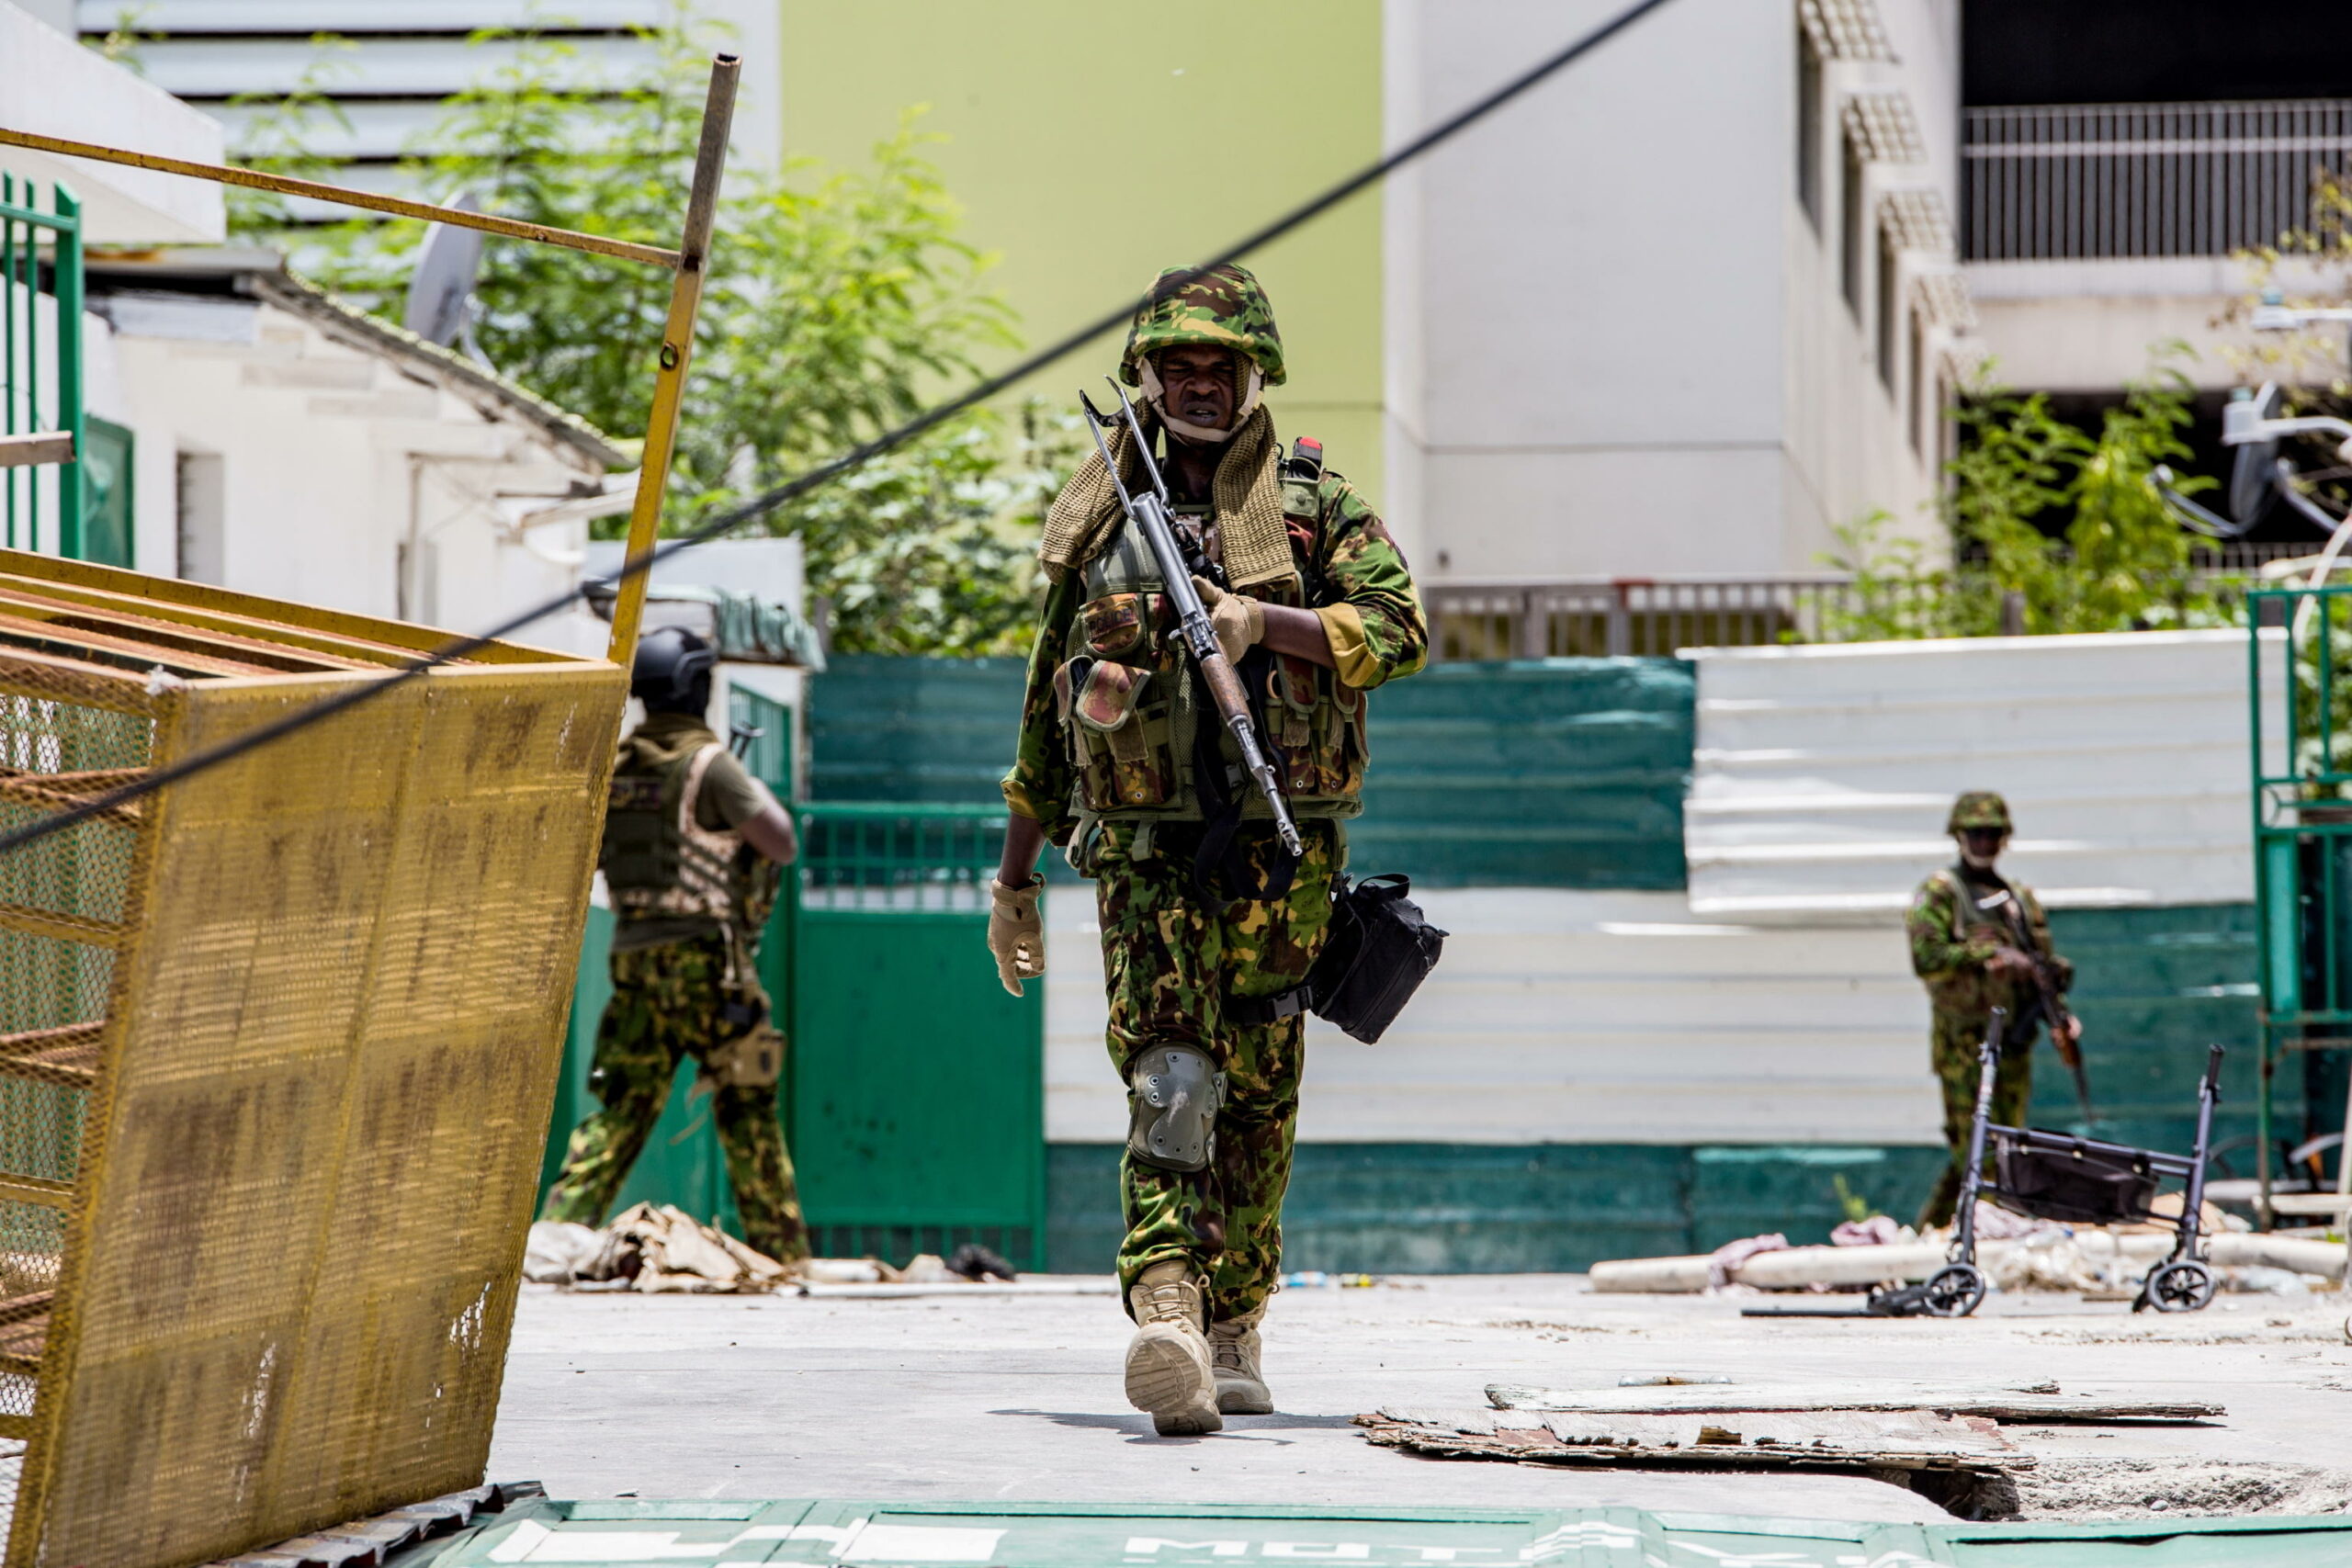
(1981, 940)
(1145, 716)
(693, 844)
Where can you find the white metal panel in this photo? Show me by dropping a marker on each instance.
(177, 18)
(425, 67)
(1564, 1017)
(382, 128)
(1823, 773)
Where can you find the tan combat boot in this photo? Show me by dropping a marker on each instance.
(1233, 1361)
(1168, 1360)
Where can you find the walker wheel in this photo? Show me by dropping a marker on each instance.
(2183, 1286)
(1953, 1291)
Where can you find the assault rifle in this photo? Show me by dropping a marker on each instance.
(2053, 1005)
(1148, 513)
(2061, 1020)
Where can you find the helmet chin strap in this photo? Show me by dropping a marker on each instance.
(1253, 387)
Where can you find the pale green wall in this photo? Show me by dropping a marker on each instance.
(1092, 143)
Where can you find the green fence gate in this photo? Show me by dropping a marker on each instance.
(917, 1104)
(2300, 647)
(40, 363)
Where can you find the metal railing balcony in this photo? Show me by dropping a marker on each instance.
(1583, 618)
(2064, 182)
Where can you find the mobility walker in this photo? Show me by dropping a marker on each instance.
(2056, 1176)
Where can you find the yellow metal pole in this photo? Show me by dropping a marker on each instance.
(677, 352)
(254, 179)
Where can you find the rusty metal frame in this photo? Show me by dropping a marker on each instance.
(176, 1413)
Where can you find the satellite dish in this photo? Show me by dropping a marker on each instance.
(2252, 489)
(442, 285)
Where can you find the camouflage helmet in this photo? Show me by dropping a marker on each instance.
(1223, 308)
(1978, 808)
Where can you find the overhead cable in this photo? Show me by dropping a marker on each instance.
(792, 489)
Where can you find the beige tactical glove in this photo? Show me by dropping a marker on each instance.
(1017, 937)
(1238, 620)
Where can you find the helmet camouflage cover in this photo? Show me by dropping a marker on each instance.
(1978, 808)
(1223, 308)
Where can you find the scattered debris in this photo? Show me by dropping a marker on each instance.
(648, 1248)
(1879, 1230)
(1723, 1264)
(2016, 1253)
(2092, 1489)
(1900, 1439)
(2038, 1402)
(1068, 1285)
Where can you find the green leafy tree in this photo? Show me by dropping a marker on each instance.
(2122, 564)
(838, 302)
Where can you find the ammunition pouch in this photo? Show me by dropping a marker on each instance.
(1174, 1094)
(1380, 950)
(752, 1059)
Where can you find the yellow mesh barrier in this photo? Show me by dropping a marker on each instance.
(277, 1047)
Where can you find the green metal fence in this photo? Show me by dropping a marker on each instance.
(41, 362)
(2299, 647)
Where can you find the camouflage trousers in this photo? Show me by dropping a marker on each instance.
(665, 1007)
(1169, 959)
(1956, 1037)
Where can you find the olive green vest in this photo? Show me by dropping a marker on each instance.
(1132, 703)
(657, 860)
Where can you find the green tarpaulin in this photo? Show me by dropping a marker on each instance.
(1068, 1535)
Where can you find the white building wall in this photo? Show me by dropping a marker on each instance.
(50, 84)
(1616, 345)
(1855, 442)
(2092, 325)
(335, 469)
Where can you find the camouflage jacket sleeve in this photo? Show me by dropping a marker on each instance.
(1939, 949)
(1369, 608)
(1040, 781)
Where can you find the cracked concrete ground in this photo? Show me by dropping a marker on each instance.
(1018, 1397)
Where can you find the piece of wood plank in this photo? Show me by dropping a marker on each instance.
(1837, 1439)
(2031, 1402)
(38, 446)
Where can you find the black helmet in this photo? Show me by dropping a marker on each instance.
(672, 670)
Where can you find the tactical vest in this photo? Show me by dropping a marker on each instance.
(1132, 704)
(657, 860)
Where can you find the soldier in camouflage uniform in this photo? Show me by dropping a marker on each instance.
(1976, 940)
(1202, 912)
(692, 843)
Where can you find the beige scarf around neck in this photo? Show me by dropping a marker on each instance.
(1247, 493)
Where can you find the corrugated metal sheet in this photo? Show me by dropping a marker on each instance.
(1555, 773)
(1561, 1016)
(1565, 1017)
(1823, 773)
(912, 730)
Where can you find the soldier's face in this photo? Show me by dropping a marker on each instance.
(1197, 383)
(1982, 845)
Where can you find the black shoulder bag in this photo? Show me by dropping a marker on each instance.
(1380, 950)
